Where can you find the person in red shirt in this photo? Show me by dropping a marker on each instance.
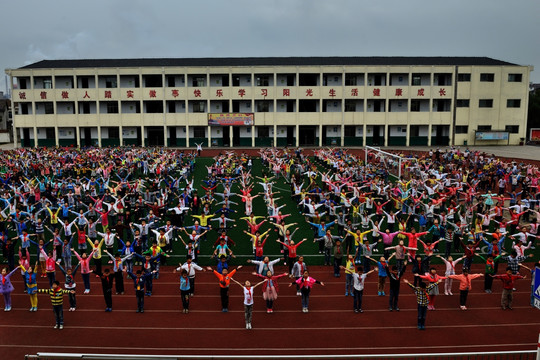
(224, 282)
(508, 281)
(292, 251)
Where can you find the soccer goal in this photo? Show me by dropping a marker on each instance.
(396, 165)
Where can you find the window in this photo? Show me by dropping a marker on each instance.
(263, 131)
(351, 79)
(50, 133)
(112, 107)
(462, 103)
(199, 132)
(416, 80)
(415, 105)
(114, 133)
(24, 108)
(464, 77)
(110, 83)
(350, 131)
(462, 129)
(262, 80)
(513, 103)
(263, 106)
(198, 106)
(198, 81)
(484, 128)
(487, 77)
(350, 106)
(515, 77)
(47, 84)
(170, 81)
(49, 108)
(485, 103)
(512, 129)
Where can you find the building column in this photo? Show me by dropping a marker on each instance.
(15, 137)
(408, 138)
(386, 135)
(99, 136)
(165, 137)
(187, 135)
(253, 136)
(35, 137)
(56, 140)
(297, 137)
(342, 142)
(364, 135)
(231, 133)
(120, 135)
(209, 136)
(275, 135)
(429, 129)
(78, 135)
(320, 135)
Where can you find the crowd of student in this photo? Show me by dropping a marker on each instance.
(130, 204)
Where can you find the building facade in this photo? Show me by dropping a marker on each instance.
(303, 101)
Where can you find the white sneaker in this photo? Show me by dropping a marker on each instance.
(298, 293)
(61, 327)
(247, 326)
(55, 326)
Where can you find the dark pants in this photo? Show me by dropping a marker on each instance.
(488, 282)
(119, 281)
(327, 255)
(463, 297)
(86, 281)
(72, 300)
(107, 294)
(422, 312)
(97, 263)
(269, 304)
(185, 298)
(51, 276)
(357, 302)
(148, 284)
(224, 292)
(59, 314)
(393, 300)
(305, 296)
(140, 299)
(337, 264)
(191, 285)
(448, 249)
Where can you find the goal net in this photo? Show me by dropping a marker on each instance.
(394, 164)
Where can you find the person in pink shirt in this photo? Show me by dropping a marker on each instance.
(464, 285)
(84, 262)
(305, 283)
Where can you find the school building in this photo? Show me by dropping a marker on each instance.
(281, 101)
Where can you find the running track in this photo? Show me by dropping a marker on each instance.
(331, 327)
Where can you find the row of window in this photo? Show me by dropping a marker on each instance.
(225, 80)
(464, 129)
(488, 103)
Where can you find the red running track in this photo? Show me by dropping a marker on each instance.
(330, 327)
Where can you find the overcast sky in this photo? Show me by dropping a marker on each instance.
(34, 30)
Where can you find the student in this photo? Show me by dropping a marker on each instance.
(224, 282)
(50, 264)
(491, 265)
(432, 277)
(84, 261)
(185, 290)
(450, 270)
(382, 266)
(298, 269)
(118, 267)
(107, 280)
(292, 251)
(139, 281)
(464, 285)
(191, 267)
(358, 285)
(265, 265)
(394, 277)
(6, 287)
(422, 300)
(57, 301)
(70, 284)
(349, 271)
(508, 279)
(305, 283)
(270, 289)
(248, 300)
(30, 281)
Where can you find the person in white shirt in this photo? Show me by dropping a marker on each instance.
(248, 300)
(190, 267)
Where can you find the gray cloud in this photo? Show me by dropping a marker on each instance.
(36, 30)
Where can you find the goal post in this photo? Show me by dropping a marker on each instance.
(396, 165)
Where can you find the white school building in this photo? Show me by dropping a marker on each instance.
(280, 101)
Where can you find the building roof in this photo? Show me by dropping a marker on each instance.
(266, 61)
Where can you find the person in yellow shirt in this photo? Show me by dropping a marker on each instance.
(203, 219)
(96, 250)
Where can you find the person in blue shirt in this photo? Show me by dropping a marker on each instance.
(139, 281)
(382, 265)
